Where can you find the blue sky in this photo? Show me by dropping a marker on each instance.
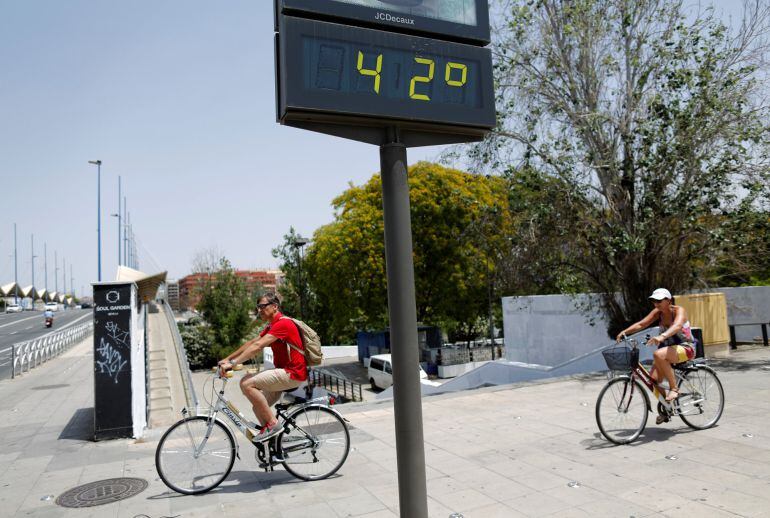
(176, 97)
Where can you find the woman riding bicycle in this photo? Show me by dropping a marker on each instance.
(675, 341)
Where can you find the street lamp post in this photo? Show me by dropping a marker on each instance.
(98, 164)
(125, 235)
(120, 218)
(298, 243)
(32, 293)
(15, 269)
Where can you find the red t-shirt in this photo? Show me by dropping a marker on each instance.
(284, 357)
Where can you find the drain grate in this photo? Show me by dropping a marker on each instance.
(102, 492)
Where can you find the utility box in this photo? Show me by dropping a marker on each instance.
(709, 312)
(120, 395)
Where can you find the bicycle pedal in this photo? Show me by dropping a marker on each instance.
(277, 460)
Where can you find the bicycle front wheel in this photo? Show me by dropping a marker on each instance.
(316, 445)
(702, 399)
(621, 410)
(191, 458)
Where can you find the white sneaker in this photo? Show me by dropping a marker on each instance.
(266, 432)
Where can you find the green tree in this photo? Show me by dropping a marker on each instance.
(649, 122)
(459, 220)
(225, 304)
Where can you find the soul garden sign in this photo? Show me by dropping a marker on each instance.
(397, 74)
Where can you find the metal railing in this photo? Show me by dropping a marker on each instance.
(459, 355)
(184, 365)
(342, 387)
(734, 342)
(25, 356)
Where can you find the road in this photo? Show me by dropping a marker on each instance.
(29, 325)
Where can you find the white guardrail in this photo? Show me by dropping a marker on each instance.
(28, 355)
(184, 365)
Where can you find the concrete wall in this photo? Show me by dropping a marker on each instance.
(747, 305)
(552, 329)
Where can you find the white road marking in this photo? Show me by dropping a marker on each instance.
(20, 320)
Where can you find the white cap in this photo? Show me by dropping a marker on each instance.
(660, 294)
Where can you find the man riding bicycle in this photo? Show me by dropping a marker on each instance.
(264, 389)
(675, 341)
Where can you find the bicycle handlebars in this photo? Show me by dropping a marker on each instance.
(228, 374)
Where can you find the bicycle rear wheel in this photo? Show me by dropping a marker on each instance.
(701, 399)
(621, 410)
(316, 445)
(189, 473)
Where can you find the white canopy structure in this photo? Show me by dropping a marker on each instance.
(9, 289)
(147, 285)
(29, 292)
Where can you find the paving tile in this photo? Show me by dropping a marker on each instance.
(537, 504)
(616, 507)
(497, 510)
(690, 509)
(361, 504)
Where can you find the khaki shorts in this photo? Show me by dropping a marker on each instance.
(272, 383)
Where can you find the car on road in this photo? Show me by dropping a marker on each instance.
(52, 306)
(13, 308)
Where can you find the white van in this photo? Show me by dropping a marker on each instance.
(381, 371)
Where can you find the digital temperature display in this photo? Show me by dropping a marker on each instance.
(337, 70)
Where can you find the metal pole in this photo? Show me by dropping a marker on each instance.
(72, 281)
(34, 290)
(15, 268)
(120, 218)
(128, 246)
(299, 283)
(489, 298)
(407, 401)
(125, 236)
(45, 264)
(98, 164)
(64, 274)
(56, 271)
(99, 214)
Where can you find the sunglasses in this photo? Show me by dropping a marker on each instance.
(260, 307)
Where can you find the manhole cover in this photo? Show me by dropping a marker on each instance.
(102, 492)
(50, 387)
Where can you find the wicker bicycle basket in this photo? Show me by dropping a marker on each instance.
(621, 358)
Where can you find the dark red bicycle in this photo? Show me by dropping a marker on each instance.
(623, 405)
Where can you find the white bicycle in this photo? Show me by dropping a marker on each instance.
(197, 453)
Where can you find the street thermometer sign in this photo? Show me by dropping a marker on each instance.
(356, 81)
(398, 74)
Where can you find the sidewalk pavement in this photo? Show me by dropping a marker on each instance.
(495, 452)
